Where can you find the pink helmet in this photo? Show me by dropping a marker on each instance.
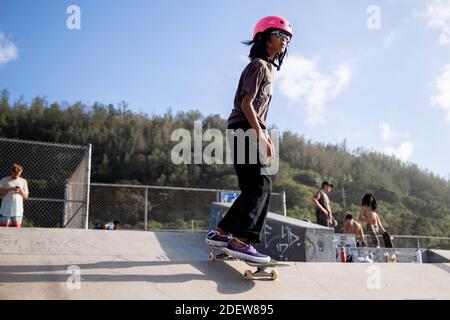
(272, 22)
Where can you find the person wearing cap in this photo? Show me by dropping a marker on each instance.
(322, 203)
(244, 221)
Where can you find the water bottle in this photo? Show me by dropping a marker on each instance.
(343, 255)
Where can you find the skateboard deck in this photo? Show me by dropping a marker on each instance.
(248, 274)
(387, 240)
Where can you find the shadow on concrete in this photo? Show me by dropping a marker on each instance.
(180, 248)
(228, 279)
(442, 266)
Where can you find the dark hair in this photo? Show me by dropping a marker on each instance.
(369, 200)
(116, 222)
(348, 217)
(326, 183)
(16, 168)
(259, 48)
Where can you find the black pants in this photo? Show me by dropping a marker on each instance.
(247, 215)
(322, 219)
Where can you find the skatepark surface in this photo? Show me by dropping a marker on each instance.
(96, 264)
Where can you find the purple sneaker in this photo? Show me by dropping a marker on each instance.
(247, 252)
(213, 238)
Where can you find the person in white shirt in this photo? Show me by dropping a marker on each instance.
(13, 190)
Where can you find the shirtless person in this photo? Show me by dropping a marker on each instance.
(369, 215)
(353, 227)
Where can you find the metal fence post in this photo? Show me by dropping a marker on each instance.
(145, 208)
(88, 183)
(66, 197)
(283, 194)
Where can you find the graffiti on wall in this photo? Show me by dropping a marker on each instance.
(280, 241)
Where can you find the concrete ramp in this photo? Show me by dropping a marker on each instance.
(97, 264)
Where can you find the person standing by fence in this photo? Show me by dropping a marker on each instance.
(13, 190)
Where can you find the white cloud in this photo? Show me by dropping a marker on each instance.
(442, 97)
(443, 39)
(386, 131)
(8, 50)
(403, 152)
(301, 82)
(389, 134)
(438, 13)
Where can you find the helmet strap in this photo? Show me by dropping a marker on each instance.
(278, 66)
(280, 58)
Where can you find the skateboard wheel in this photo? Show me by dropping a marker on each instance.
(274, 274)
(212, 256)
(248, 275)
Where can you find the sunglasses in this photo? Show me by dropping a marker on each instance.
(282, 35)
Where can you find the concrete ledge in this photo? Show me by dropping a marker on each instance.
(288, 239)
(438, 256)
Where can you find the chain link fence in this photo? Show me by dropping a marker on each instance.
(58, 177)
(159, 208)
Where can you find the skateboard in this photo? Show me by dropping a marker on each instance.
(248, 274)
(388, 240)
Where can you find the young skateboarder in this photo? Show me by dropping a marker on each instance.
(243, 223)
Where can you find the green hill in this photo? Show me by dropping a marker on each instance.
(136, 148)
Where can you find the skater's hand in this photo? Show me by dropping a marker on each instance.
(270, 150)
(334, 223)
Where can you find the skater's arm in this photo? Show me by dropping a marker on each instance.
(249, 112)
(379, 223)
(23, 193)
(247, 108)
(318, 205)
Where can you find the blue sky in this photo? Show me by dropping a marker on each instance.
(385, 88)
